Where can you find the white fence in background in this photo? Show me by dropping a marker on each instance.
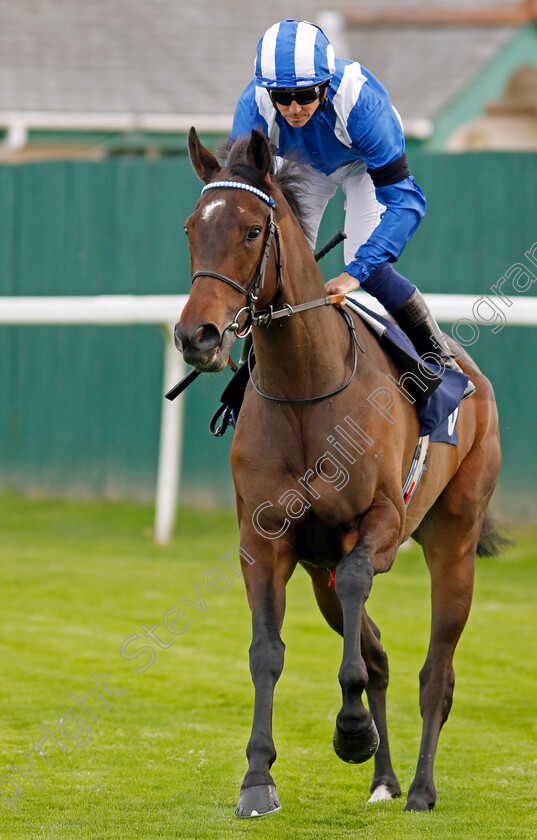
(165, 311)
(125, 310)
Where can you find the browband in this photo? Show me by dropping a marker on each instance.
(236, 185)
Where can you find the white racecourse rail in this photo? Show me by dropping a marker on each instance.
(165, 311)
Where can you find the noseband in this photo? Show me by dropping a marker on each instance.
(252, 292)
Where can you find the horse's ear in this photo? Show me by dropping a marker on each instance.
(258, 152)
(204, 162)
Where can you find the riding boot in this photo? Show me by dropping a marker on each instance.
(416, 320)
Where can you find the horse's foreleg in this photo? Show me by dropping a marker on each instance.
(385, 784)
(356, 738)
(265, 584)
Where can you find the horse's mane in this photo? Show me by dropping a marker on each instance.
(286, 178)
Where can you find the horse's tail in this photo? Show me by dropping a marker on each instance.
(492, 540)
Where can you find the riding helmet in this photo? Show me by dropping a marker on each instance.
(293, 54)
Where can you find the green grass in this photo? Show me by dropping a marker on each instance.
(166, 759)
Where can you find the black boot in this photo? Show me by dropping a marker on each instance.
(416, 320)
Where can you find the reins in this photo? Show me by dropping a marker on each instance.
(313, 400)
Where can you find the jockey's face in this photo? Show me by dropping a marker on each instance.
(297, 115)
(296, 111)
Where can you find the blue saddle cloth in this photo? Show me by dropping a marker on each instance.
(438, 413)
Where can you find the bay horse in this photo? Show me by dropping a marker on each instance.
(305, 496)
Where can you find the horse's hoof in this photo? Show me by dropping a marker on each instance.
(384, 793)
(421, 799)
(258, 801)
(418, 806)
(356, 749)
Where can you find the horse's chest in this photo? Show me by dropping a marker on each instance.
(317, 504)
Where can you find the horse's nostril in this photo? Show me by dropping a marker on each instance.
(205, 337)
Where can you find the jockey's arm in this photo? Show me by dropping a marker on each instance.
(382, 144)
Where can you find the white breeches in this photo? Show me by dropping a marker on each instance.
(362, 210)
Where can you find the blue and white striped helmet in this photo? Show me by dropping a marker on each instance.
(292, 54)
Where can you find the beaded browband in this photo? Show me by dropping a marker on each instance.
(235, 185)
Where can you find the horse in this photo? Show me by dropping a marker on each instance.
(318, 468)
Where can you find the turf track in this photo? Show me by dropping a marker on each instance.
(166, 758)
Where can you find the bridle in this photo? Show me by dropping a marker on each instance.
(252, 292)
(264, 317)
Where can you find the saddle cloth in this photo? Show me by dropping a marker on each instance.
(438, 405)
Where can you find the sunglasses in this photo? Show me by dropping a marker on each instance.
(284, 96)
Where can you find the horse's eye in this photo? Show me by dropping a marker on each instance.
(254, 232)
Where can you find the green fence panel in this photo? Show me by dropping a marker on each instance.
(481, 217)
(80, 406)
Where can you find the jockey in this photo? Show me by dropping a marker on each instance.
(335, 120)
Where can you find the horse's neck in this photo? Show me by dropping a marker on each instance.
(305, 354)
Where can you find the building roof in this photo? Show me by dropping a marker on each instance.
(176, 57)
(426, 69)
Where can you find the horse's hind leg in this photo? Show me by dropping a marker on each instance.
(450, 553)
(385, 784)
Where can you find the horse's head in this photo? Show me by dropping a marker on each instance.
(229, 232)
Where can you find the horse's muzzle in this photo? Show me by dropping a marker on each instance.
(200, 347)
